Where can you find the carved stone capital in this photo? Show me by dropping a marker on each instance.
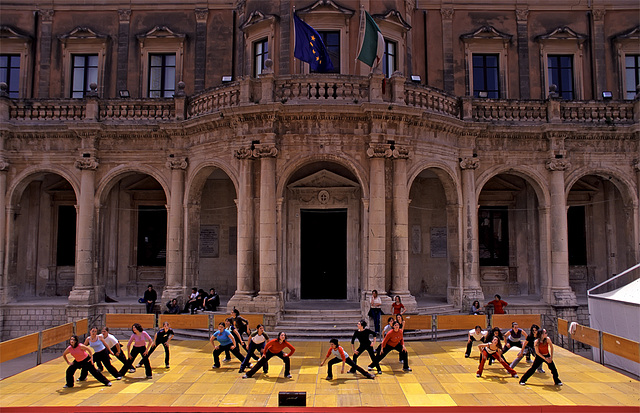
(177, 163)
(244, 153)
(46, 15)
(557, 164)
(379, 151)
(201, 15)
(400, 153)
(598, 14)
(265, 152)
(469, 163)
(4, 164)
(124, 15)
(447, 13)
(522, 15)
(87, 163)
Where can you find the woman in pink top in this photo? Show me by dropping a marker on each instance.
(81, 360)
(141, 343)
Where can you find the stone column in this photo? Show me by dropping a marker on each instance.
(599, 53)
(471, 289)
(245, 289)
(173, 285)
(268, 296)
(44, 53)
(83, 288)
(522, 15)
(400, 234)
(561, 293)
(4, 167)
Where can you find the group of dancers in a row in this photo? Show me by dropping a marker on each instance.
(230, 339)
(536, 343)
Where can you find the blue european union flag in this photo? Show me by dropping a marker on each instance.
(310, 48)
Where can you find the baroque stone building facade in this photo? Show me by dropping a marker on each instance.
(182, 144)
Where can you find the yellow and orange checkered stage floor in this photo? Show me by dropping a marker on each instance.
(441, 377)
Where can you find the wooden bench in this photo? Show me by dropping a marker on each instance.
(147, 321)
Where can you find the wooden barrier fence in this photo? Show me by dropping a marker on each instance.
(127, 320)
(524, 320)
(605, 342)
(185, 322)
(36, 342)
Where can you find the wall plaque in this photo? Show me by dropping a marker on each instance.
(209, 241)
(438, 242)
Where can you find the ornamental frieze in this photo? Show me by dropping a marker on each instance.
(557, 164)
(87, 163)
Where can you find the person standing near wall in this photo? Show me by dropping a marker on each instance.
(374, 310)
(150, 297)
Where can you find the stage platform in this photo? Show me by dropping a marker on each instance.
(441, 376)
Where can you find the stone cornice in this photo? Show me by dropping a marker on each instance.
(87, 163)
(557, 164)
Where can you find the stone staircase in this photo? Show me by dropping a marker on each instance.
(319, 325)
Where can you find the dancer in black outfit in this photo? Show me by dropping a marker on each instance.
(339, 355)
(82, 360)
(362, 334)
(544, 354)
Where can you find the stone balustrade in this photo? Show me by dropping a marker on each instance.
(137, 109)
(325, 89)
(50, 109)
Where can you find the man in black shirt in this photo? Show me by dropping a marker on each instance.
(150, 297)
(362, 335)
(212, 301)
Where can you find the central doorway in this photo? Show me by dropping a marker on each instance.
(323, 253)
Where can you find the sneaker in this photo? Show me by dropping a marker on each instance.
(108, 384)
(352, 371)
(119, 378)
(540, 371)
(246, 377)
(371, 376)
(559, 383)
(370, 368)
(522, 383)
(149, 377)
(241, 371)
(379, 371)
(79, 379)
(66, 386)
(515, 376)
(226, 360)
(100, 368)
(329, 378)
(478, 375)
(466, 356)
(139, 365)
(407, 369)
(215, 366)
(132, 370)
(288, 376)
(166, 367)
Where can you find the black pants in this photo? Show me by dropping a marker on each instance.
(251, 353)
(349, 362)
(120, 356)
(376, 313)
(221, 348)
(265, 359)
(132, 357)
(537, 363)
(387, 349)
(469, 345)
(150, 306)
(166, 352)
(85, 365)
(510, 344)
(362, 349)
(103, 358)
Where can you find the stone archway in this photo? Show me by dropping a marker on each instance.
(322, 191)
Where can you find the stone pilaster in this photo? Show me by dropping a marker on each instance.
(559, 290)
(44, 52)
(4, 293)
(377, 224)
(200, 49)
(447, 46)
(122, 69)
(83, 292)
(522, 16)
(400, 233)
(471, 289)
(599, 53)
(245, 289)
(174, 286)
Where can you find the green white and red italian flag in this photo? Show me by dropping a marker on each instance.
(372, 44)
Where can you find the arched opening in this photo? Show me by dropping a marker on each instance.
(43, 242)
(133, 228)
(599, 234)
(509, 237)
(322, 258)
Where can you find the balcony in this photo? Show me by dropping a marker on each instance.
(375, 92)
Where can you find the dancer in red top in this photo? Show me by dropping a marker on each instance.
(82, 360)
(394, 340)
(498, 305)
(544, 354)
(494, 349)
(397, 307)
(275, 347)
